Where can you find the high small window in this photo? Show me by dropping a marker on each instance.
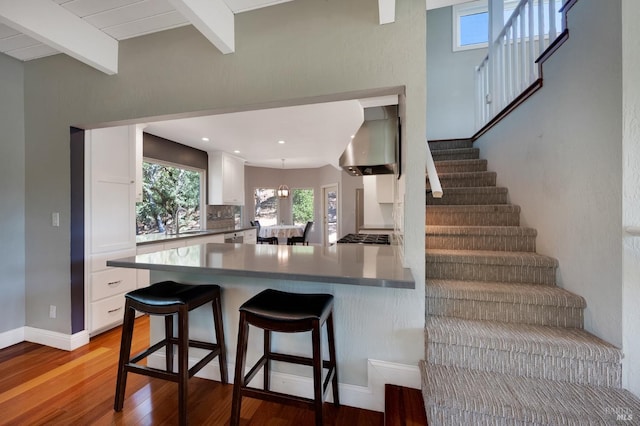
(171, 195)
(471, 23)
(302, 206)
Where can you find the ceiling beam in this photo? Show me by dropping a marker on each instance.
(212, 18)
(387, 11)
(53, 25)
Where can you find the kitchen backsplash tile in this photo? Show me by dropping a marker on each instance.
(222, 216)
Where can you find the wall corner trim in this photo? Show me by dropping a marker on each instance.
(66, 342)
(11, 337)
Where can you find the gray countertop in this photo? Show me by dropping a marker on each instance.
(162, 237)
(355, 264)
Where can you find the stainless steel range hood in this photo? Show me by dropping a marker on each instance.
(374, 148)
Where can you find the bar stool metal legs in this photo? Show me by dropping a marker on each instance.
(283, 312)
(168, 299)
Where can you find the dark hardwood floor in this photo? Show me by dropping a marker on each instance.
(45, 386)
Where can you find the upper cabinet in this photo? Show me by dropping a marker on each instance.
(384, 188)
(111, 188)
(226, 179)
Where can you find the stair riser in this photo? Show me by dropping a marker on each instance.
(482, 310)
(470, 218)
(537, 366)
(450, 144)
(485, 179)
(496, 273)
(481, 242)
(449, 198)
(466, 154)
(469, 166)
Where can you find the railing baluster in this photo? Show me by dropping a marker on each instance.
(532, 57)
(553, 33)
(510, 67)
(540, 27)
(523, 56)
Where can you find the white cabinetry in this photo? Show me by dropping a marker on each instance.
(384, 188)
(110, 194)
(250, 236)
(226, 179)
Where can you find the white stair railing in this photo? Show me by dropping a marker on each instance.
(432, 173)
(511, 68)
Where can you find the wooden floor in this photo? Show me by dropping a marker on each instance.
(41, 385)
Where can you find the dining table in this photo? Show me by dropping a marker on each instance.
(282, 231)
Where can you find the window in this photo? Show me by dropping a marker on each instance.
(471, 23)
(170, 193)
(302, 206)
(265, 203)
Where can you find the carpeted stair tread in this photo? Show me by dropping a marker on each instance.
(469, 165)
(525, 294)
(458, 396)
(455, 154)
(522, 338)
(475, 208)
(450, 144)
(479, 230)
(474, 195)
(486, 257)
(465, 179)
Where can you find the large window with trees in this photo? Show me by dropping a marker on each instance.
(265, 206)
(171, 197)
(302, 206)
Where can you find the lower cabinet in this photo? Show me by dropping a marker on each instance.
(106, 289)
(250, 236)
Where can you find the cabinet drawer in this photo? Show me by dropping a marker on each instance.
(107, 312)
(112, 281)
(99, 261)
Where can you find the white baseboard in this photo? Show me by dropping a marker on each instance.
(67, 342)
(370, 397)
(11, 337)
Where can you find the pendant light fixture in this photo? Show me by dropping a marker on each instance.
(283, 190)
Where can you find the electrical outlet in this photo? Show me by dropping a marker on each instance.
(52, 311)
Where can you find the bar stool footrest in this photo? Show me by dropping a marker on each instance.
(278, 397)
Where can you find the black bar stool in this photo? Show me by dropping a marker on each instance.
(273, 310)
(168, 298)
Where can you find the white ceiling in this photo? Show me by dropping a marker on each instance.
(315, 135)
(120, 19)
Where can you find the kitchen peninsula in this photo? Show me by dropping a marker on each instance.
(366, 280)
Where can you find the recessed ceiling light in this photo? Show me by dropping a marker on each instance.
(281, 142)
(205, 139)
(353, 136)
(236, 152)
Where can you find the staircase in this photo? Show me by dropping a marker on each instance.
(504, 344)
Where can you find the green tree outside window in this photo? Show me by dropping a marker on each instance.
(169, 193)
(302, 206)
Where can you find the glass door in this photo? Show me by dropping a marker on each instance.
(330, 214)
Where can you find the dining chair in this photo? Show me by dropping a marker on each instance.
(305, 236)
(260, 240)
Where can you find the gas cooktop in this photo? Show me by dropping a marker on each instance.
(365, 239)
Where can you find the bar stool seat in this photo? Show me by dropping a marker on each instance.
(278, 311)
(169, 298)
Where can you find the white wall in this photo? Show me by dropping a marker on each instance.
(631, 193)
(560, 154)
(12, 186)
(299, 50)
(450, 80)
